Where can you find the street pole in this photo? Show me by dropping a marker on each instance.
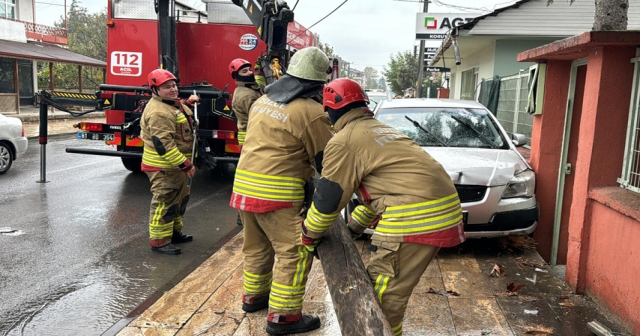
(421, 57)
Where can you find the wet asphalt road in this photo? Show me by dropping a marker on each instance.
(83, 262)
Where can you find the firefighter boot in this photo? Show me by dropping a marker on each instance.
(304, 324)
(163, 246)
(179, 237)
(256, 304)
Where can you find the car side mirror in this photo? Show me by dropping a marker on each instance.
(519, 140)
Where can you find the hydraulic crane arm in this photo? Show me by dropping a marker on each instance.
(271, 18)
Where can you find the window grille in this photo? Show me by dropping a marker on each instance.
(512, 105)
(631, 163)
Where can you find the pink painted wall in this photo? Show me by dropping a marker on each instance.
(603, 126)
(546, 147)
(613, 272)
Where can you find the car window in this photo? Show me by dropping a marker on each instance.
(455, 127)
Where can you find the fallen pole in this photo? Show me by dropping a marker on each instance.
(352, 294)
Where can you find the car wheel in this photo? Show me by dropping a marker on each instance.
(6, 158)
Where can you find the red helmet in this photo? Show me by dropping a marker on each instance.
(158, 77)
(342, 92)
(236, 64)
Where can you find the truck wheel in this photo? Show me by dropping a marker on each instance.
(132, 164)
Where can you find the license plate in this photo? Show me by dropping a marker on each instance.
(465, 216)
(95, 136)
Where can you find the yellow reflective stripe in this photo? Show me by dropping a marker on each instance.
(397, 330)
(301, 267)
(181, 118)
(381, 286)
(421, 208)
(152, 158)
(425, 225)
(281, 181)
(363, 215)
(284, 304)
(256, 283)
(256, 277)
(175, 157)
(287, 290)
(317, 221)
(157, 229)
(241, 137)
(267, 193)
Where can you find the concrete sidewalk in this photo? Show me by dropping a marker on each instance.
(461, 293)
(32, 114)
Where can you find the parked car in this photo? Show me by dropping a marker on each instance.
(494, 182)
(375, 97)
(13, 143)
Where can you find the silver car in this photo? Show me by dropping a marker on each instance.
(13, 143)
(495, 184)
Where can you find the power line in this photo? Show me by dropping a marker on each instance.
(294, 6)
(326, 16)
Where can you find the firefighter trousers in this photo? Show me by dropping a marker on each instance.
(169, 203)
(395, 269)
(266, 236)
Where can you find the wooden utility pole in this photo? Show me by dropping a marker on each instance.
(425, 9)
(351, 291)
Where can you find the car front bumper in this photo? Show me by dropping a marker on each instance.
(523, 221)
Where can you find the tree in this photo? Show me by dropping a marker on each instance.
(609, 14)
(327, 49)
(382, 84)
(401, 72)
(371, 78)
(87, 35)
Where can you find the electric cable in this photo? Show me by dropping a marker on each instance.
(294, 6)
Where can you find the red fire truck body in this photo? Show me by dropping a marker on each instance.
(139, 42)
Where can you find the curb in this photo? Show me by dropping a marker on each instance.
(31, 118)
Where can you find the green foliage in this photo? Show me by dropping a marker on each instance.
(327, 49)
(401, 72)
(87, 35)
(371, 76)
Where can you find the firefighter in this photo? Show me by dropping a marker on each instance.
(246, 93)
(167, 132)
(393, 178)
(286, 136)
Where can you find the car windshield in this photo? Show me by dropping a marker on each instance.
(455, 127)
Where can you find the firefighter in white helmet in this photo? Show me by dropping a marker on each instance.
(166, 128)
(286, 136)
(394, 178)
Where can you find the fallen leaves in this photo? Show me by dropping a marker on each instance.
(513, 288)
(538, 330)
(518, 242)
(498, 271)
(443, 293)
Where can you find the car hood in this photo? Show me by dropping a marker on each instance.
(488, 167)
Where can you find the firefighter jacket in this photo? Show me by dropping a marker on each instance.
(243, 97)
(393, 177)
(284, 144)
(167, 133)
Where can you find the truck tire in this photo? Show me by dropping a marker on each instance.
(132, 164)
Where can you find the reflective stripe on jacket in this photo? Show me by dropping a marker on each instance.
(167, 135)
(243, 98)
(283, 146)
(394, 178)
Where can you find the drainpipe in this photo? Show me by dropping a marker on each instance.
(456, 50)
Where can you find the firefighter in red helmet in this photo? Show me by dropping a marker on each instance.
(167, 132)
(397, 183)
(246, 93)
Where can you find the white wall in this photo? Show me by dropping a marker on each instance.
(483, 59)
(24, 10)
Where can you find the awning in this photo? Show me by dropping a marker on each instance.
(46, 52)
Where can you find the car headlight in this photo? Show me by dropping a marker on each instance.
(522, 185)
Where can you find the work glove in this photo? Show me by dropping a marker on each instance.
(205, 160)
(309, 243)
(259, 75)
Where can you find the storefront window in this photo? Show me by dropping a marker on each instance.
(7, 75)
(25, 81)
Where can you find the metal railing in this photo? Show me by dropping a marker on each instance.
(630, 178)
(31, 27)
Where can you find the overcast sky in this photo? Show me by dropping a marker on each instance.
(363, 32)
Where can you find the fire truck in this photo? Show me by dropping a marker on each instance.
(197, 48)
